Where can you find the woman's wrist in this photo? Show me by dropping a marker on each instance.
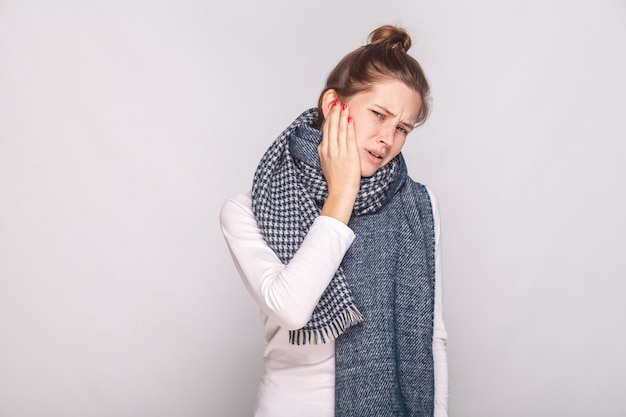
(339, 206)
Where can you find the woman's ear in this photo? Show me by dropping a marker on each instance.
(328, 98)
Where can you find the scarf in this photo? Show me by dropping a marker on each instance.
(383, 365)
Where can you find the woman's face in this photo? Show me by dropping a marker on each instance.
(383, 116)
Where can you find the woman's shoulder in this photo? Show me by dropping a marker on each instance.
(424, 193)
(421, 189)
(241, 198)
(236, 206)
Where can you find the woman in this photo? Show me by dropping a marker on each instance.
(339, 247)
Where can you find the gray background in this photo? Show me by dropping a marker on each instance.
(124, 125)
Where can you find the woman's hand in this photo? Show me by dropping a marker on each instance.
(340, 162)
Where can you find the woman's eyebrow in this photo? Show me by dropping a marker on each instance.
(385, 110)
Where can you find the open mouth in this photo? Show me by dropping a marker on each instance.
(375, 155)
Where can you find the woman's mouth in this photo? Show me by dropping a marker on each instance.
(375, 157)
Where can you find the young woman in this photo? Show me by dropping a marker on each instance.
(339, 247)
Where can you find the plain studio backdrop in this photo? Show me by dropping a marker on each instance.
(124, 125)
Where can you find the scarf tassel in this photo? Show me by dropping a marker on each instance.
(349, 317)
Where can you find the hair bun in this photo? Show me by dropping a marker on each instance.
(392, 36)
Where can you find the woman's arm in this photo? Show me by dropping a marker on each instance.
(288, 293)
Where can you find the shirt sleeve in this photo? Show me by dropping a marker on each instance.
(286, 292)
(440, 336)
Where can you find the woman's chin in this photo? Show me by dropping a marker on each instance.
(367, 170)
(368, 173)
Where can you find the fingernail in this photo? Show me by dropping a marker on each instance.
(335, 103)
(349, 119)
(344, 106)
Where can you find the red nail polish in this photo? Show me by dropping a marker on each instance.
(335, 103)
(349, 119)
(344, 106)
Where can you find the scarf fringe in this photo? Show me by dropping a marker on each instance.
(348, 318)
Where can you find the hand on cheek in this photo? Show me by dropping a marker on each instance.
(340, 162)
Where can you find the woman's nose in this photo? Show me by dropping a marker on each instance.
(387, 135)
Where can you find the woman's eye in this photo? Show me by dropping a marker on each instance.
(402, 130)
(380, 116)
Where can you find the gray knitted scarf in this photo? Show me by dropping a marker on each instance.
(383, 360)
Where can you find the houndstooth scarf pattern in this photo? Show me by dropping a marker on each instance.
(288, 190)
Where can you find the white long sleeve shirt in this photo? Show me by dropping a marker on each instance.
(299, 380)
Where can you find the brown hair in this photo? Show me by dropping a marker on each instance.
(383, 58)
